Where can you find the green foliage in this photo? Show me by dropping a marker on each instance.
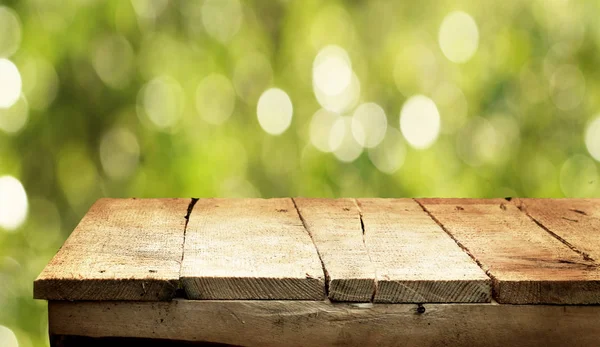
(114, 108)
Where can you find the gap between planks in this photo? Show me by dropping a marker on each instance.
(325, 273)
(528, 263)
(401, 253)
(570, 246)
(362, 227)
(520, 203)
(462, 247)
(180, 293)
(250, 249)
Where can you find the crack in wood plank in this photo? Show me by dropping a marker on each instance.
(362, 226)
(523, 208)
(335, 228)
(325, 273)
(180, 293)
(462, 247)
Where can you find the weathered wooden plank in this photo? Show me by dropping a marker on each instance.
(250, 249)
(78, 341)
(527, 264)
(319, 323)
(335, 227)
(123, 249)
(576, 222)
(415, 260)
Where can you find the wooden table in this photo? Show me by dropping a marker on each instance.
(313, 272)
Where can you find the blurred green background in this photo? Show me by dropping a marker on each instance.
(231, 98)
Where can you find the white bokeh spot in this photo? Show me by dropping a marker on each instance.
(14, 118)
(342, 102)
(332, 70)
(7, 337)
(389, 155)
(274, 111)
(10, 32)
(369, 124)
(458, 37)
(13, 203)
(320, 129)
(342, 142)
(10, 83)
(420, 121)
(592, 138)
(161, 101)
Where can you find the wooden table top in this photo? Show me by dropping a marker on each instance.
(519, 251)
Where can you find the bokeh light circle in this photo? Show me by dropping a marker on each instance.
(113, 60)
(389, 155)
(10, 32)
(420, 121)
(458, 37)
(162, 101)
(149, 9)
(592, 138)
(119, 153)
(222, 18)
(342, 142)
(369, 124)
(7, 337)
(320, 129)
(14, 118)
(10, 83)
(40, 82)
(274, 111)
(215, 99)
(567, 86)
(332, 70)
(13, 203)
(342, 102)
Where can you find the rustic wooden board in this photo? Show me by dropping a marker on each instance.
(250, 249)
(576, 222)
(415, 260)
(123, 249)
(319, 323)
(526, 263)
(335, 227)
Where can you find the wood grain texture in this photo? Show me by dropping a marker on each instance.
(123, 249)
(319, 323)
(79, 341)
(415, 260)
(250, 249)
(335, 227)
(576, 222)
(526, 263)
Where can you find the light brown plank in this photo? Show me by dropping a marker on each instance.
(318, 323)
(250, 249)
(526, 263)
(335, 227)
(123, 249)
(415, 260)
(574, 221)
